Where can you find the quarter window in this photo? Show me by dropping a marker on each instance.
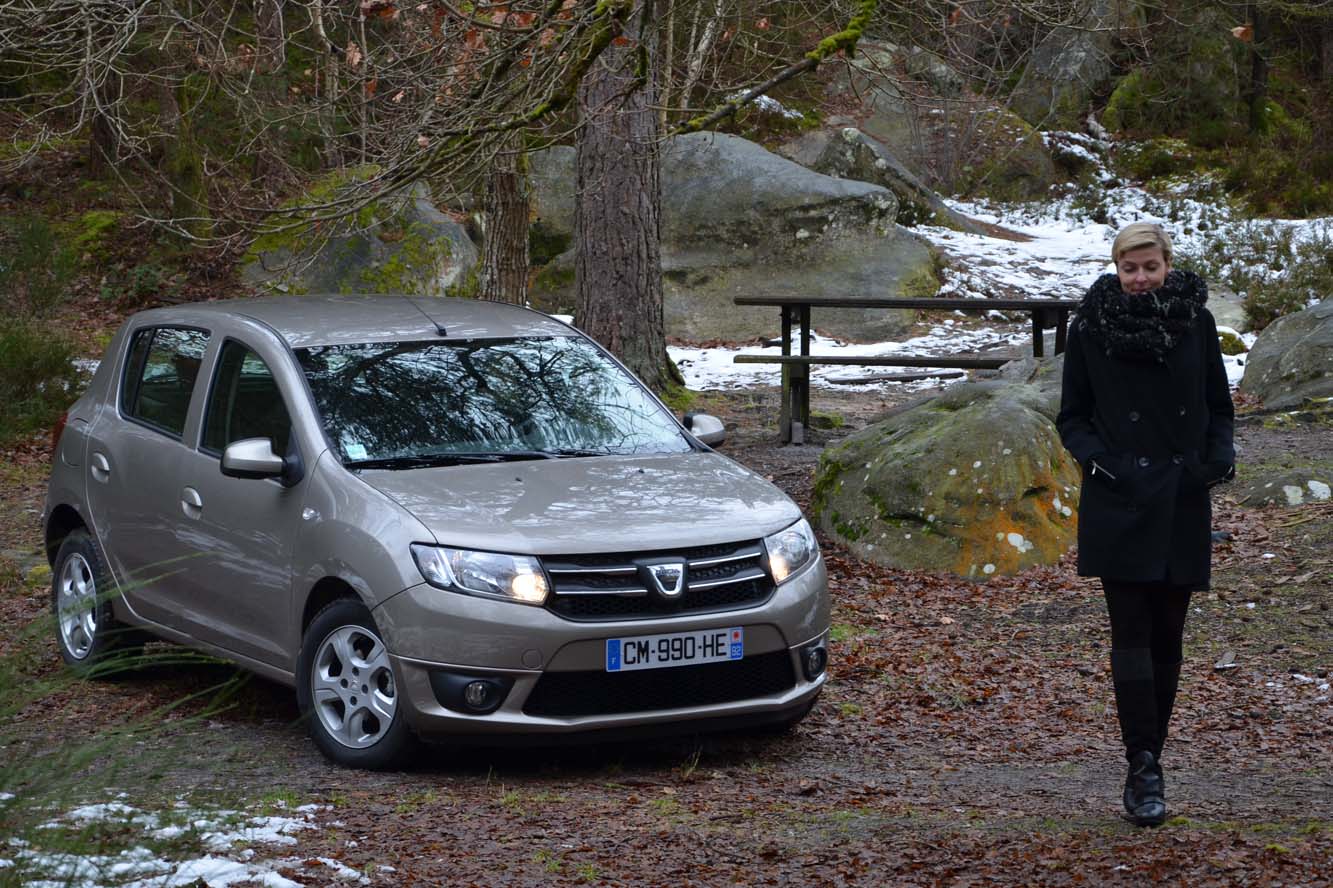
(245, 402)
(159, 379)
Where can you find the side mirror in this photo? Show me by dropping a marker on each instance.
(707, 428)
(252, 458)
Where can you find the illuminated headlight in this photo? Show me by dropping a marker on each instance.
(490, 574)
(790, 550)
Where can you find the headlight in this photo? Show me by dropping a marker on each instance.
(490, 574)
(790, 550)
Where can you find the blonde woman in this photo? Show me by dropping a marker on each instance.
(1146, 410)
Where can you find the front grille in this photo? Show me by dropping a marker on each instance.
(570, 694)
(599, 587)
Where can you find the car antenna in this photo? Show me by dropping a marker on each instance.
(439, 328)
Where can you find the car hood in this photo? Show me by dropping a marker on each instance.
(590, 504)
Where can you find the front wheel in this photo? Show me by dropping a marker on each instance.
(90, 639)
(347, 691)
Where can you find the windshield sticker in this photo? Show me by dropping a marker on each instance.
(355, 451)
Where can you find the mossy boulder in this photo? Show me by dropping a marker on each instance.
(1067, 68)
(739, 220)
(974, 482)
(1192, 85)
(1292, 360)
(402, 244)
(1012, 161)
(1304, 485)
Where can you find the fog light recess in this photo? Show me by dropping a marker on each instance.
(472, 694)
(814, 658)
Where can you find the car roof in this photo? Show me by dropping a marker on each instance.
(305, 320)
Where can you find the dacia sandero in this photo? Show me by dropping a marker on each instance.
(434, 518)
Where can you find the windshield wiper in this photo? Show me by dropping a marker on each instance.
(425, 460)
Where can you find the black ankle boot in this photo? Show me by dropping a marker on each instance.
(1145, 790)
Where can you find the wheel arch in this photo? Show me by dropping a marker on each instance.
(324, 592)
(64, 520)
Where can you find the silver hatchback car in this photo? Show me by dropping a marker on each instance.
(434, 518)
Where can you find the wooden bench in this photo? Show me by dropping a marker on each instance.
(794, 414)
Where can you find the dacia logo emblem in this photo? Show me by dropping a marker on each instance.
(669, 578)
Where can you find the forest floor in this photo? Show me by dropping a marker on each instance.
(966, 736)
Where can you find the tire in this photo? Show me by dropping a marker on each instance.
(347, 691)
(91, 641)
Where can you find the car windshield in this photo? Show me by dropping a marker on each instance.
(407, 404)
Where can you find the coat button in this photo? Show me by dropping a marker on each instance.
(1144, 462)
(1177, 458)
(1133, 416)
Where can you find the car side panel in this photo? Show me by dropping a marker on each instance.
(352, 532)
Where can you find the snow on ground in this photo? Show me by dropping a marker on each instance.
(1066, 251)
(230, 839)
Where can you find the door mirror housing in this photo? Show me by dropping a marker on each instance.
(705, 427)
(252, 458)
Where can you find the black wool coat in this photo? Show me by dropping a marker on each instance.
(1164, 431)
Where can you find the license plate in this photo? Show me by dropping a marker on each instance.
(675, 649)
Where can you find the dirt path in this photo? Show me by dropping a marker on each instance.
(966, 737)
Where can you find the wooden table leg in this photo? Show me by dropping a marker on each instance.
(803, 405)
(1061, 330)
(785, 407)
(1038, 340)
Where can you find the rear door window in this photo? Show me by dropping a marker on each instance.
(245, 402)
(160, 376)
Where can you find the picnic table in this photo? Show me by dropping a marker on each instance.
(794, 414)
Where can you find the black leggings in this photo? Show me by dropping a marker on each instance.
(1147, 615)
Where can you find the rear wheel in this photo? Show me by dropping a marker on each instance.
(89, 637)
(347, 690)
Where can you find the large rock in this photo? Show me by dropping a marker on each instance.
(400, 245)
(1308, 485)
(849, 153)
(922, 112)
(1292, 360)
(739, 220)
(974, 482)
(1067, 69)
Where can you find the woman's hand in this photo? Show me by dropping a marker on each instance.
(1215, 473)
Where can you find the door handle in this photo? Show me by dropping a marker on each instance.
(100, 467)
(192, 503)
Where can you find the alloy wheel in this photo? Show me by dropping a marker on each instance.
(352, 687)
(76, 606)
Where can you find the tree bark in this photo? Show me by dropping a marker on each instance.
(271, 84)
(617, 216)
(504, 266)
(1257, 94)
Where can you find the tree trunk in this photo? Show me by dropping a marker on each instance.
(102, 146)
(1325, 55)
(327, 88)
(1257, 94)
(504, 266)
(182, 162)
(617, 215)
(271, 82)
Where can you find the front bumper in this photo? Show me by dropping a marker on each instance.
(556, 666)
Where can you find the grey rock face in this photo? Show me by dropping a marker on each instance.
(409, 247)
(1227, 308)
(849, 153)
(1292, 360)
(1066, 68)
(974, 482)
(1291, 487)
(740, 220)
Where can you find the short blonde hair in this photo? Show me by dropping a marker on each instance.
(1138, 235)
